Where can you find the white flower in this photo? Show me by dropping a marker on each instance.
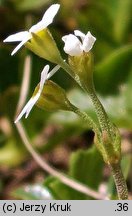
(24, 36)
(74, 47)
(44, 76)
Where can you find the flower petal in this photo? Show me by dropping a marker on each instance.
(72, 46)
(64, 38)
(33, 101)
(50, 14)
(20, 45)
(27, 108)
(53, 71)
(79, 34)
(20, 36)
(43, 78)
(47, 18)
(37, 27)
(88, 42)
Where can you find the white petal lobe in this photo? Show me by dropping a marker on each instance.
(53, 71)
(72, 45)
(19, 46)
(24, 110)
(88, 42)
(50, 14)
(20, 36)
(64, 38)
(43, 77)
(32, 101)
(79, 34)
(47, 18)
(37, 27)
(24, 36)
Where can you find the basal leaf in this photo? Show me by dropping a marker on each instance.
(85, 167)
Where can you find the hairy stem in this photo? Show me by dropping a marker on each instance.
(105, 124)
(108, 130)
(104, 121)
(120, 182)
(87, 120)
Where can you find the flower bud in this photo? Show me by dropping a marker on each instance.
(43, 45)
(53, 98)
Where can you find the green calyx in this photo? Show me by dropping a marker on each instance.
(83, 69)
(43, 45)
(52, 98)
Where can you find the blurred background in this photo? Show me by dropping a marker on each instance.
(60, 137)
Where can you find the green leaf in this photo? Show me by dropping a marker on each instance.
(85, 167)
(61, 191)
(32, 192)
(126, 165)
(1, 2)
(93, 15)
(12, 154)
(113, 70)
(128, 91)
(118, 107)
(122, 20)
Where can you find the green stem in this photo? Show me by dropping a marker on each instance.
(104, 121)
(108, 132)
(87, 119)
(119, 181)
(105, 124)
